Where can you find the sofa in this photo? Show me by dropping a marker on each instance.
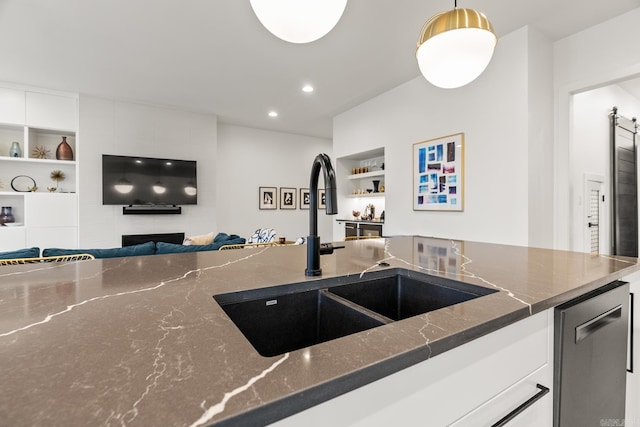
(148, 248)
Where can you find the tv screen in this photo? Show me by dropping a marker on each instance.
(147, 181)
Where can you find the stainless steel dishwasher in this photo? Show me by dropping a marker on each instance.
(590, 358)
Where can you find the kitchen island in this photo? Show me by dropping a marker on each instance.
(141, 340)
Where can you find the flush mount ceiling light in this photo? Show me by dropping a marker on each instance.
(299, 21)
(455, 47)
(273, 114)
(307, 88)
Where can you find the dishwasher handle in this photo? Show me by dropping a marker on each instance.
(588, 328)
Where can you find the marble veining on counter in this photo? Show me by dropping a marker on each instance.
(141, 341)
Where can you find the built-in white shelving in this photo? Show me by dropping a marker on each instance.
(47, 211)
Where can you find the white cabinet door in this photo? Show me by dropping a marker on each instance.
(12, 238)
(51, 210)
(12, 109)
(51, 111)
(538, 414)
(452, 386)
(51, 220)
(633, 378)
(52, 237)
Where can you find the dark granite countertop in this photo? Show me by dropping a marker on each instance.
(141, 341)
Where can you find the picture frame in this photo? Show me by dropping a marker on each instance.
(268, 198)
(288, 198)
(322, 198)
(438, 174)
(304, 198)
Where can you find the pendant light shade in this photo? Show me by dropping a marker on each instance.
(123, 186)
(159, 188)
(455, 47)
(299, 21)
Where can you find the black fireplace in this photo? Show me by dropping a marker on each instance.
(137, 239)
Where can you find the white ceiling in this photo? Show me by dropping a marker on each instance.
(214, 56)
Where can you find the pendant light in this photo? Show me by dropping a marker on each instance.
(159, 188)
(190, 189)
(123, 186)
(299, 21)
(455, 47)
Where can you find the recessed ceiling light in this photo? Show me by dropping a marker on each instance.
(273, 114)
(307, 88)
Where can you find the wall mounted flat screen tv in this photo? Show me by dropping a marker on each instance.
(132, 181)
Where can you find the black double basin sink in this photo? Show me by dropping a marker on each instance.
(289, 317)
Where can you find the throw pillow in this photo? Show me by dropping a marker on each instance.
(202, 239)
(263, 235)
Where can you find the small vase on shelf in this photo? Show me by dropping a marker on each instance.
(64, 151)
(6, 216)
(15, 150)
(376, 184)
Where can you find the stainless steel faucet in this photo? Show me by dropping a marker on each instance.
(331, 202)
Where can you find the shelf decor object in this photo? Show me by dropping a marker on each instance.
(268, 198)
(23, 184)
(287, 198)
(455, 47)
(15, 150)
(64, 151)
(438, 174)
(40, 152)
(6, 216)
(57, 176)
(298, 21)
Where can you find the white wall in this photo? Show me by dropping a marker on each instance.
(591, 153)
(493, 112)
(592, 58)
(112, 127)
(540, 153)
(252, 158)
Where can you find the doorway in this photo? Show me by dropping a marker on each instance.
(594, 209)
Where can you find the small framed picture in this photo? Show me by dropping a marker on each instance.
(304, 198)
(287, 198)
(268, 198)
(322, 200)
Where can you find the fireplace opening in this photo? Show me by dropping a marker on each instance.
(137, 239)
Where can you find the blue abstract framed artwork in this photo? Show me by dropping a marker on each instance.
(438, 174)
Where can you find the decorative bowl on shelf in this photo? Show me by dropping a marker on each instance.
(23, 183)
